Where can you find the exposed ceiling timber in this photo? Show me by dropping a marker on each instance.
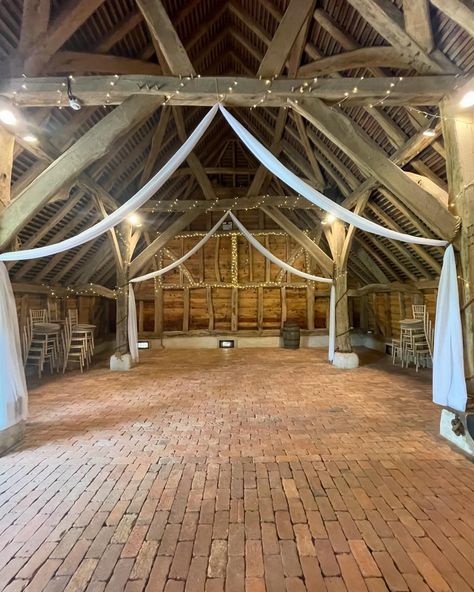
(234, 91)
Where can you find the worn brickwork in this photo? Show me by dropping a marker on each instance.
(243, 470)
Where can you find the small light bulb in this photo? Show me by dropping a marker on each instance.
(30, 138)
(7, 117)
(467, 100)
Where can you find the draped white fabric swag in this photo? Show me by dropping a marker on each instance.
(448, 359)
(140, 197)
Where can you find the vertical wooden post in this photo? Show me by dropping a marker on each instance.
(210, 308)
(310, 307)
(121, 331)
(336, 236)
(186, 304)
(388, 316)
(284, 309)
(364, 317)
(7, 141)
(140, 316)
(260, 308)
(458, 131)
(234, 317)
(158, 311)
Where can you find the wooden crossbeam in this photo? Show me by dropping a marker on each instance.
(77, 62)
(72, 15)
(290, 25)
(365, 57)
(89, 148)
(142, 259)
(371, 159)
(245, 92)
(460, 11)
(387, 20)
(416, 14)
(239, 203)
(165, 35)
(324, 261)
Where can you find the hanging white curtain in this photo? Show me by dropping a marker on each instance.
(13, 392)
(332, 324)
(313, 195)
(449, 385)
(142, 196)
(132, 324)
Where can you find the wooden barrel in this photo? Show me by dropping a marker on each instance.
(291, 335)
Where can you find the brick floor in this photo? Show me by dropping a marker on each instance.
(241, 470)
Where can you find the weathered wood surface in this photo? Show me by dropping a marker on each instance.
(92, 90)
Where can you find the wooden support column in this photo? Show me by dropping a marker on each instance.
(336, 236)
(364, 316)
(7, 141)
(127, 246)
(121, 330)
(310, 307)
(158, 311)
(234, 315)
(458, 130)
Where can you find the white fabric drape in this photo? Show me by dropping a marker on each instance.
(182, 259)
(313, 195)
(449, 385)
(273, 258)
(132, 324)
(13, 392)
(332, 324)
(142, 195)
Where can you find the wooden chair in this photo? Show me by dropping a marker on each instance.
(39, 315)
(54, 313)
(33, 354)
(76, 347)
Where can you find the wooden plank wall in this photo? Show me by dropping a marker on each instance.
(385, 310)
(92, 309)
(229, 286)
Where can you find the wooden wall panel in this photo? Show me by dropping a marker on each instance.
(296, 306)
(198, 312)
(248, 309)
(321, 306)
(173, 310)
(149, 316)
(271, 308)
(221, 298)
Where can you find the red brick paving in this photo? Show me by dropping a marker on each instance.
(229, 471)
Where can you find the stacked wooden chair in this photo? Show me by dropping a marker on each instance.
(78, 341)
(41, 345)
(48, 341)
(416, 340)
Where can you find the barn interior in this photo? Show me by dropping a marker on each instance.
(283, 178)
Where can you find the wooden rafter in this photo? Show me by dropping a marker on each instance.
(373, 161)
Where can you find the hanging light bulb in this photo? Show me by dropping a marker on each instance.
(7, 117)
(135, 220)
(467, 100)
(30, 138)
(329, 219)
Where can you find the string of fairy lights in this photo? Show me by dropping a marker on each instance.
(65, 98)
